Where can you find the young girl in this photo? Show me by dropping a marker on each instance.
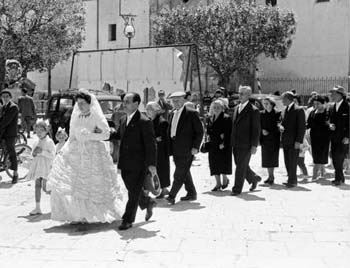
(43, 155)
(61, 136)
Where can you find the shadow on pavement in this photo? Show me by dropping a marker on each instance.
(218, 193)
(248, 196)
(6, 185)
(323, 181)
(37, 218)
(136, 232)
(179, 205)
(296, 188)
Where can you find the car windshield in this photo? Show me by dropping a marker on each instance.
(108, 105)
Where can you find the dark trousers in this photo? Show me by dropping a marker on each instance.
(301, 165)
(338, 152)
(243, 171)
(27, 123)
(182, 175)
(10, 148)
(134, 180)
(290, 161)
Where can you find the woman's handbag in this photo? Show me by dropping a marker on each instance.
(152, 183)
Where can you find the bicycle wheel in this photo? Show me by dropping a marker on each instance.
(21, 138)
(24, 157)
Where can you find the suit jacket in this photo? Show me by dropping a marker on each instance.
(189, 133)
(294, 126)
(246, 127)
(166, 108)
(222, 125)
(138, 148)
(9, 121)
(341, 120)
(26, 106)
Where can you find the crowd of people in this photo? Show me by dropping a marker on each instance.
(81, 178)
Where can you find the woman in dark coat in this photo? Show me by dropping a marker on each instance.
(160, 126)
(220, 151)
(270, 138)
(318, 124)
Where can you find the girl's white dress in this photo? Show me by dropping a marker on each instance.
(41, 164)
(83, 180)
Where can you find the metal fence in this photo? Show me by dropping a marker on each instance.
(303, 86)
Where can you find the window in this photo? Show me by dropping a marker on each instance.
(271, 2)
(320, 1)
(112, 32)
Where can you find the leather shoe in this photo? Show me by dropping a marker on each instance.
(14, 179)
(189, 198)
(125, 225)
(171, 200)
(162, 195)
(215, 189)
(269, 181)
(336, 183)
(149, 210)
(289, 185)
(235, 193)
(253, 187)
(224, 186)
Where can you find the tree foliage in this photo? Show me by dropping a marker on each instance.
(230, 35)
(40, 33)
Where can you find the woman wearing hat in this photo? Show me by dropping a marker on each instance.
(270, 138)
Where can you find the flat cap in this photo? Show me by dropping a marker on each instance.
(178, 94)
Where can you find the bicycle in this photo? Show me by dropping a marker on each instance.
(24, 157)
(21, 137)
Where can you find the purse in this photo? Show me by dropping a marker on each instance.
(152, 183)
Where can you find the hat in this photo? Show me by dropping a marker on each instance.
(6, 91)
(161, 92)
(339, 89)
(288, 94)
(177, 94)
(219, 91)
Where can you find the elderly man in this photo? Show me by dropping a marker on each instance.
(8, 129)
(166, 107)
(245, 137)
(293, 131)
(339, 126)
(186, 133)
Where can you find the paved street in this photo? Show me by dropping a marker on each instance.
(308, 226)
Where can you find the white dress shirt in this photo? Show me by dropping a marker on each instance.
(129, 117)
(242, 106)
(177, 114)
(337, 105)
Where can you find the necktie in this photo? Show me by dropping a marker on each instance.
(174, 124)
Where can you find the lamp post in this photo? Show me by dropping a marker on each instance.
(129, 29)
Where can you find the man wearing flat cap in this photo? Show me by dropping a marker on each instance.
(8, 129)
(186, 133)
(293, 131)
(339, 126)
(166, 106)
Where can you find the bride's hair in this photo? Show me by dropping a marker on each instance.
(84, 96)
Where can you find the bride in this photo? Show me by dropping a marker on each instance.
(83, 179)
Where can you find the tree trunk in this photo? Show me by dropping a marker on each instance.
(49, 90)
(224, 81)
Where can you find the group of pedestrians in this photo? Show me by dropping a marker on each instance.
(81, 178)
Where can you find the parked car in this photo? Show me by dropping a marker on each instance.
(60, 107)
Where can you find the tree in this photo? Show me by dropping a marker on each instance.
(231, 35)
(40, 33)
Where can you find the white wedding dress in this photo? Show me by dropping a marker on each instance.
(83, 180)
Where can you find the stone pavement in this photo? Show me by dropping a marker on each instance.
(308, 226)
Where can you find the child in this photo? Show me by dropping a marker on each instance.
(61, 136)
(301, 157)
(43, 155)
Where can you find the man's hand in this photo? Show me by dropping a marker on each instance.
(194, 151)
(221, 146)
(346, 141)
(297, 145)
(152, 169)
(253, 150)
(159, 139)
(265, 132)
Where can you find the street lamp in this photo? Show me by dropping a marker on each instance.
(129, 29)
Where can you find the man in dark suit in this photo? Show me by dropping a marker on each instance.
(137, 156)
(339, 126)
(166, 107)
(27, 109)
(293, 131)
(245, 136)
(185, 134)
(8, 129)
